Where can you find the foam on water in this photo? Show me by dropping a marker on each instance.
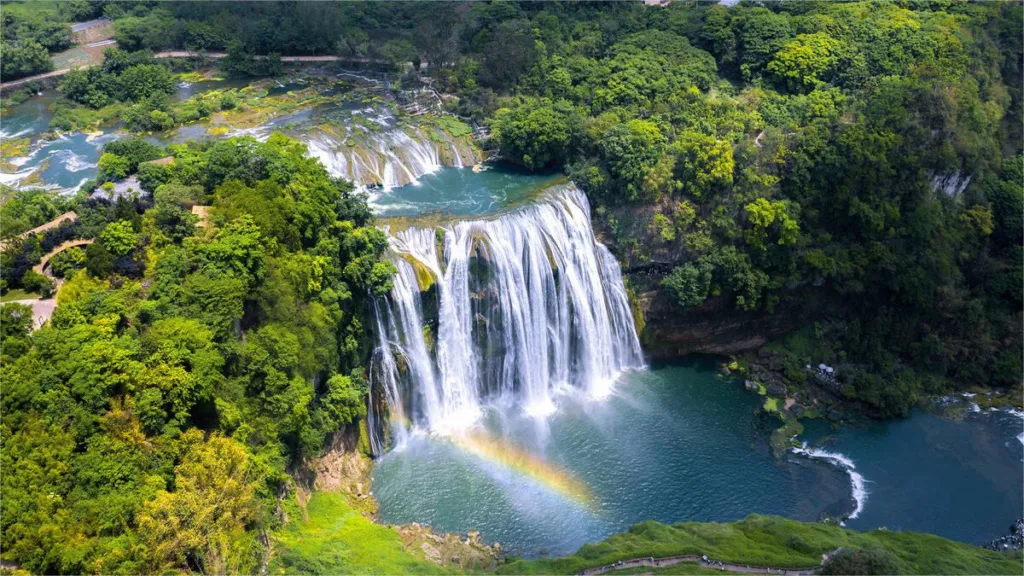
(860, 493)
(526, 304)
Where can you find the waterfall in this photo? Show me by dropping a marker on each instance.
(390, 159)
(506, 311)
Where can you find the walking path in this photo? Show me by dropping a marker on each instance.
(65, 217)
(187, 54)
(650, 562)
(42, 310)
(57, 250)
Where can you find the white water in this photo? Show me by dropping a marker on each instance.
(1019, 414)
(860, 494)
(389, 159)
(527, 304)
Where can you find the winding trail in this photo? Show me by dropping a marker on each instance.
(65, 217)
(187, 54)
(648, 562)
(57, 250)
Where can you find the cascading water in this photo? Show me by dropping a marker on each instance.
(490, 311)
(390, 159)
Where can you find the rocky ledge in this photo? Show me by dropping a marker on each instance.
(343, 468)
(1012, 541)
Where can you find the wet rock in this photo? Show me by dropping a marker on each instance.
(776, 389)
(750, 385)
(834, 414)
(1012, 541)
(724, 371)
(797, 411)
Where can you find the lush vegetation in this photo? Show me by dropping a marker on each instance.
(29, 33)
(779, 543)
(151, 424)
(326, 536)
(867, 154)
(861, 157)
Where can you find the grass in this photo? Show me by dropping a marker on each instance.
(453, 126)
(18, 294)
(775, 542)
(332, 538)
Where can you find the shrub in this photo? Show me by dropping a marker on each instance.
(861, 561)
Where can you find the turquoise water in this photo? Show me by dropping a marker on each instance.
(65, 161)
(676, 443)
(460, 191)
(961, 479)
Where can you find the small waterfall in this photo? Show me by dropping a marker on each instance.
(390, 159)
(510, 309)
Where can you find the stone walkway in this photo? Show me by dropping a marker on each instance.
(711, 564)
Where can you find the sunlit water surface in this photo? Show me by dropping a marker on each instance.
(676, 443)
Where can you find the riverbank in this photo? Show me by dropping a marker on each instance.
(333, 531)
(774, 542)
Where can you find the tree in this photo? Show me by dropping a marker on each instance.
(536, 132)
(770, 217)
(689, 284)
(805, 61)
(112, 167)
(98, 260)
(15, 326)
(704, 165)
(632, 151)
(145, 80)
(762, 34)
(22, 60)
(510, 52)
(119, 238)
(203, 522)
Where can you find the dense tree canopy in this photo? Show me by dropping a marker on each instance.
(149, 425)
(859, 163)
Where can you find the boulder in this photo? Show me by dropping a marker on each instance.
(797, 411)
(776, 389)
(750, 385)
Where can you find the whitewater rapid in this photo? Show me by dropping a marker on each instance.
(511, 310)
(857, 481)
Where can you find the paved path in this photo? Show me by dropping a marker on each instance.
(65, 217)
(69, 244)
(42, 310)
(187, 54)
(649, 562)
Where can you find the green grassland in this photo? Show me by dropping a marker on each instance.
(329, 537)
(775, 542)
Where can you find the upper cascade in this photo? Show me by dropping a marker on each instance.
(504, 311)
(388, 155)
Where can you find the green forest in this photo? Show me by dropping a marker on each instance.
(859, 162)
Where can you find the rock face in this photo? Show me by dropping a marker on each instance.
(1012, 541)
(450, 550)
(717, 327)
(342, 468)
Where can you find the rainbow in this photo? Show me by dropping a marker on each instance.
(515, 458)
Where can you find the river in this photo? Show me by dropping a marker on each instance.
(543, 465)
(593, 441)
